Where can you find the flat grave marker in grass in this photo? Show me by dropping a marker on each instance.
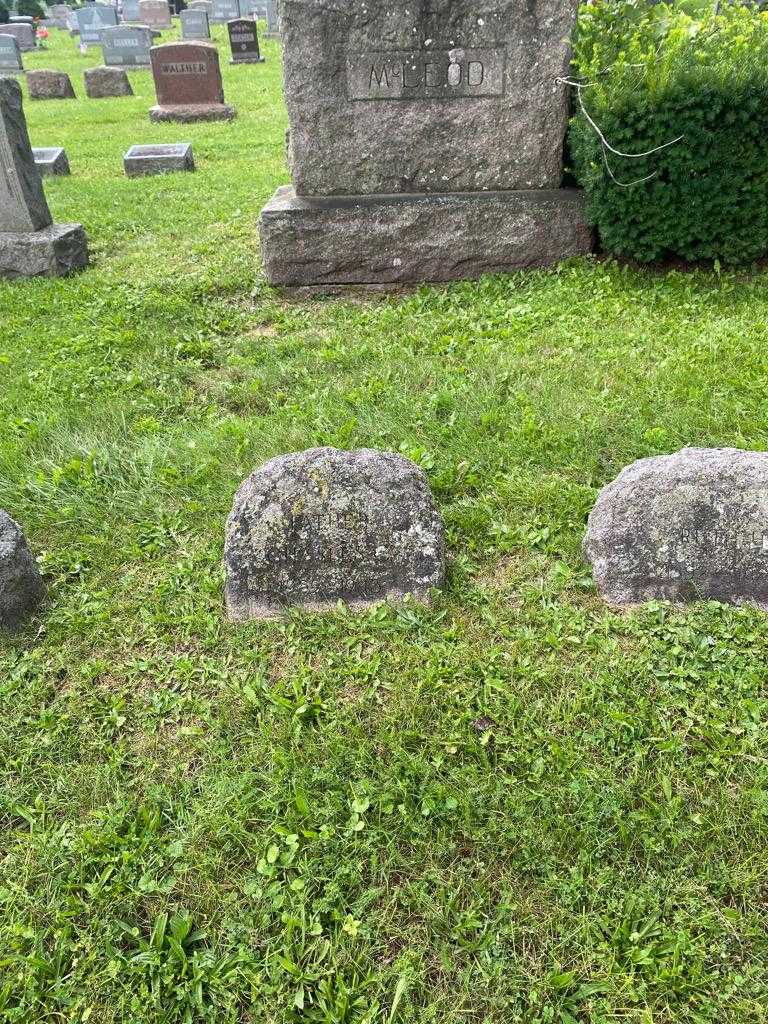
(164, 158)
(188, 83)
(51, 161)
(473, 108)
(126, 46)
(194, 24)
(30, 244)
(244, 41)
(10, 53)
(314, 528)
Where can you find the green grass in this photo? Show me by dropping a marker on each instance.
(515, 807)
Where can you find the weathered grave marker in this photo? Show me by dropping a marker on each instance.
(106, 83)
(188, 83)
(44, 84)
(314, 528)
(244, 41)
(224, 11)
(21, 585)
(429, 145)
(683, 527)
(10, 54)
(155, 13)
(194, 24)
(30, 244)
(141, 161)
(126, 46)
(131, 10)
(92, 19)
(202, 5)
(60, 13)
(51, 161)
(273, 19)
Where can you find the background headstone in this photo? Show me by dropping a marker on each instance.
(188, 83)
(10, 54)
(21, 585)
(23, 34)
(194, 24)
(131, 10)
(126, 46)
(273, 19)
(224, 10)
(49, 85)
(314, 528)
(683, 527)
(91, 19)
(104, 83)
(202, 5)
(244, 41)
(155, 13)
(60, 13)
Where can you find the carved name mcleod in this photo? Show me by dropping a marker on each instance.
(432, 74)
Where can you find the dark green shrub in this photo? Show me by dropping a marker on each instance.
(31, 9)
(4, 15)
(651, 74)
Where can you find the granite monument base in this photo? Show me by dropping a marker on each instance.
(247, 60)
(186, 113)
(408, 238)
(51, 252)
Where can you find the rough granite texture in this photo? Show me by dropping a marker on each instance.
(21, 586)
(49, 85)
(187, 113)
(683, 527)
(24, 35)
(23, 206)
(54, 251)
(425, 95)
(10, 54)
(314, 528)
(104, 83)
(398, 239)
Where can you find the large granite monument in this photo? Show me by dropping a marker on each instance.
(425, 142)
(683, 527)
(313, 528)
(126, 46)
(30, 244)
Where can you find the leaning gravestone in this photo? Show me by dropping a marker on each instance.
(131, 10)
(30, 244)
(23, 34)
(244, 41)
(188, 84)
(427, 143)
(194, 24)
(683, 527)
(313, 528)
(155, 13)
(44, 84)
(21, 585)
(126, 46)
(10, 54)
(224, 11)
(106, 83)
(92, 19)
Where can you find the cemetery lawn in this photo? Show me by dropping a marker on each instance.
(515, 806)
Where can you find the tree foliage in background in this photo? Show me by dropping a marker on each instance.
(4, 16)
(653, 73)
(31, 9)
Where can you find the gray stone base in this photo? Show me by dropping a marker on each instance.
(51, 252)
(189, 112)
(248, 60)
(401, 239)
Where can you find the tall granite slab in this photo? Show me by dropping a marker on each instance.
(188, 84)
(92, 19)
(23, 33)
(126, 46)
(314, 528)
(131, 11)
(155, 13)
(10, 53)
(411, 122)
(683, 527)
(244, 41)
(224, 11)
(30, 244)
(194, 24)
